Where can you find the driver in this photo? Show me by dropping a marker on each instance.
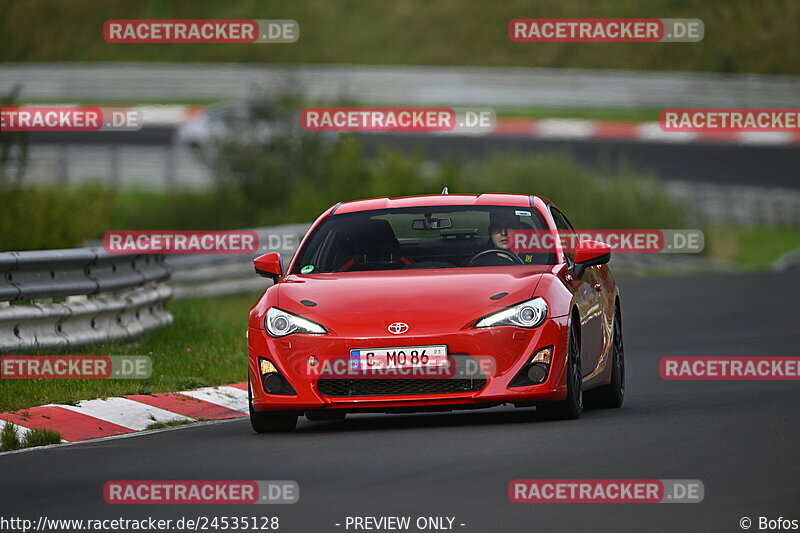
(501, 224)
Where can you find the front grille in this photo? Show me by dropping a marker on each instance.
(397, 387)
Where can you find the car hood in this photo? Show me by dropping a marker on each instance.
(355, 302)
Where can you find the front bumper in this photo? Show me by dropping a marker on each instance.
(510, 347)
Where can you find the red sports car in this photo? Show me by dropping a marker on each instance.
(422, 303)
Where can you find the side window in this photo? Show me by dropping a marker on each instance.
(562, 224)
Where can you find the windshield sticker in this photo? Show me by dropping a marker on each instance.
(522, 213)
(306, 269)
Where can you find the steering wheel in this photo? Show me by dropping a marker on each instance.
(511, 255)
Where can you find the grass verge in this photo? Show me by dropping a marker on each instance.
(170, 424)
(11, 440)
(751, 247)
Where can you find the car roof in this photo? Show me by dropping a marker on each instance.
(433, 200)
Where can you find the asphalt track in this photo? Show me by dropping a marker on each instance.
(703, 162)
(739, 438)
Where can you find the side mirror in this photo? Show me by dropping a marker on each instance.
(269, 265)
(591, 253)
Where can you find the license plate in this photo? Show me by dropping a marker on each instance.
(402, 357)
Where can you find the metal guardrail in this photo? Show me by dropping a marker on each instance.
(106, 297)
(743, 205)
(409, 85)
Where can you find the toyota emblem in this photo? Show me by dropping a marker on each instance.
(398, 327)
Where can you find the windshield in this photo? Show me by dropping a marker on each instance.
(419, 238)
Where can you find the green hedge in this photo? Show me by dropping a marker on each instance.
(35, 219)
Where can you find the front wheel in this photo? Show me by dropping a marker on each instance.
(269, 422)
(570, 408)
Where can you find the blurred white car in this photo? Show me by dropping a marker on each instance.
(227, 121)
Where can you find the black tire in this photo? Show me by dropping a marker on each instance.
(323, 416)
(570, 408)
(270, 422)
(612, 395)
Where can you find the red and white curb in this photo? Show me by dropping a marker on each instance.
(95, 419)
(571, 129)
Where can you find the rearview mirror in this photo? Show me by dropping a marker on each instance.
(591, 253)
(431, 223)
(269, 265)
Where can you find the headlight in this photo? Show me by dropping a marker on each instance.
(527, 314)
(279, 323)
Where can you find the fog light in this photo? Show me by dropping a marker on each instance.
(272, 381)
(266, 366)
(537, 373)
(545, 355)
